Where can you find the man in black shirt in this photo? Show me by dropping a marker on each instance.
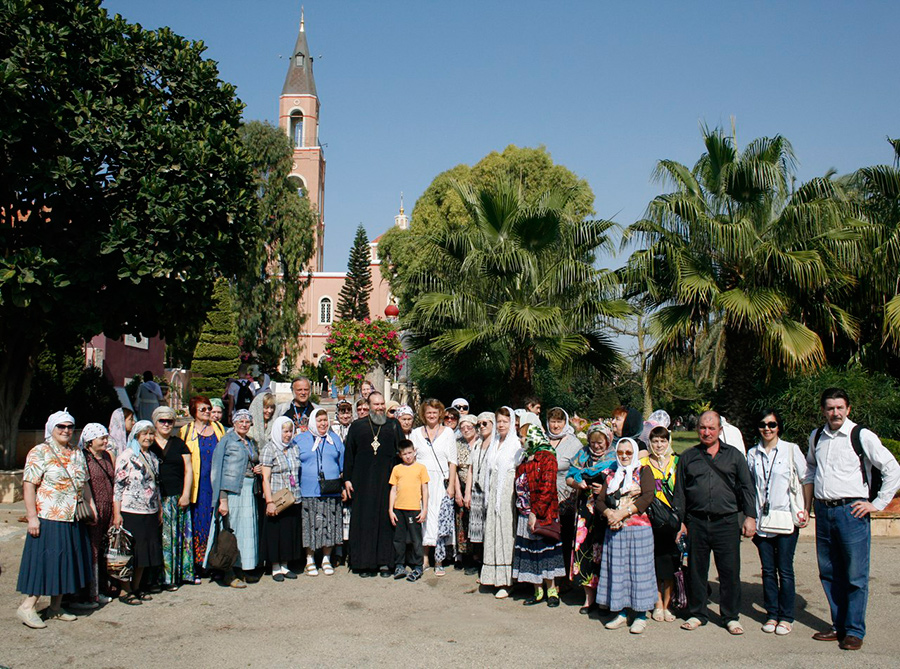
(300, 408)
(712, 484)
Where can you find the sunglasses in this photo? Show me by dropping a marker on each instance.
(63, 428)
(203, 409)
(391, 412)
(166, 421)
(483, 424)
(461, 407)
(771, 425)
(623, 453)
(454, 418)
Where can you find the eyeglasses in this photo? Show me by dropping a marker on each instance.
(771, 425)
(203, 409)
(166, 421)
(624, 453)
(63, 428)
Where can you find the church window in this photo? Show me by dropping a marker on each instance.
(325, 311)
(299, 59)
(297, 128)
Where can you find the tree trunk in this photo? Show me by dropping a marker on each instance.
(17, 357)
(644, 357)
(738, 384)
(521, 375)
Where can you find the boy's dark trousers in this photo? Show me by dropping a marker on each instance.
(408, 531)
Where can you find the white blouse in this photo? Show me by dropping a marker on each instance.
(771, 474)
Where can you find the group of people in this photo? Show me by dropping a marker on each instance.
(498, 494)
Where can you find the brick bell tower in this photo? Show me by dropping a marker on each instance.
(298, 115)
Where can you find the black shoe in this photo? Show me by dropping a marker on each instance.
(531, 601)
(366, 574)
(384, 572)
(458, 566)
(289, 574)
(278, 578)
(415, 574)
(471, 571)
(553, 601)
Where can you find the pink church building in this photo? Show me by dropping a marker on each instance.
(299, 114)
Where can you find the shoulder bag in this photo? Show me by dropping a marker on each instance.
(224, 551)
(327, 486)
(774, 521)
(284, 498)
(431, 446)
(662, 516)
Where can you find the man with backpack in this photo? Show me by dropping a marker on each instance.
(850, 474)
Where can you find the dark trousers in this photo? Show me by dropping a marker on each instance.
(722, 538)
(408, 532)
(843, 544)
(776, 555)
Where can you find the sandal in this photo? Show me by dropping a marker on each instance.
(131, 599)
(769, 627)
(144, 597)
(783, 628)
(311, 569)
(692, 623)
(734, 628)
(439, 571)
(658, 614)
(327, 569)
(668, 616)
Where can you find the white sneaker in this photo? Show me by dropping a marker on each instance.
(638, 626)
(502, 593)
(617, 622)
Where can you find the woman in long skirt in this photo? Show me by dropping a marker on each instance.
(102, 469)
(280, 533)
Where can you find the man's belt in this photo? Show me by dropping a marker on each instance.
(840, 502)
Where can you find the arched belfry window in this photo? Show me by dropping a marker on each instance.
(298, 184)
(325, 311)
(297, 128)
(299, 59)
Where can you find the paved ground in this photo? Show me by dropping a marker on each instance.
(347, 621)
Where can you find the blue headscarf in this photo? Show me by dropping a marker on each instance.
(140, 426)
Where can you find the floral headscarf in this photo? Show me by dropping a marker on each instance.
(536, 440)
(118, 439)
(602, 428)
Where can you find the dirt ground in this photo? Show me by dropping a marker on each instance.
(344, 620)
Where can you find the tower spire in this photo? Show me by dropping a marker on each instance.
(302, 27)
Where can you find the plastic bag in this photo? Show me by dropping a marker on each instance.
(119, 553)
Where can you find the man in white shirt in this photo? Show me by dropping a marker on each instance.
(732, 436)
(840, 481)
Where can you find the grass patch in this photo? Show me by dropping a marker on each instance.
(681, 441)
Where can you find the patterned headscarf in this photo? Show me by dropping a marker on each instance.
(536, 440)
(602, 428)
(55, 419)
(140, 426)
(404, 410)
(117, 437)
(217, 402)
(242, 414)
(90, 432)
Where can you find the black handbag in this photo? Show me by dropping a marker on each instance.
(663, 517)
(224, 551)
(327, 486)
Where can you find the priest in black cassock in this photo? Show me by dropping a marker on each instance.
(370, 455)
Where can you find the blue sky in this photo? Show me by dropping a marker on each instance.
(410, 89)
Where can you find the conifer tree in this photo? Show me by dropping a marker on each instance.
(217, 355)
(353, 302)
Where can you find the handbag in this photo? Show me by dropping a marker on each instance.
(283, 499)
(550, 532)
(663, 517)
(774, 521)
(327, 486)
(224, 551)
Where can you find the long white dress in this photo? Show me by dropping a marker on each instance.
(499, 528)
(437, 458)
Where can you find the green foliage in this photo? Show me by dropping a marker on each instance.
(874, 401)
(268, 294)
(355, 347)
(441, 206)
(62, 381)
(515, 278)
(217, 356)
(123, 185)
(893, 445)
(353, 301)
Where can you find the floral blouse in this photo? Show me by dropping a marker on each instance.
(59, 478)
(137, 485)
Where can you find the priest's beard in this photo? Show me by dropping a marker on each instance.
(378, 417)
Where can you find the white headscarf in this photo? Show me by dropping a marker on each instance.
(568, 429)
(622, 479)
(55, 419)
(529, 418)
(319, 438)
(275, 434)
(140, 426)
(505, 455)
(90, 432)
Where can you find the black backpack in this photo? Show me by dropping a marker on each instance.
(875, 485)
(244, 396)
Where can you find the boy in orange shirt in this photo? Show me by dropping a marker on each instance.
(408, 508)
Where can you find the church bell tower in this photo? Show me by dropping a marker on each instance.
(298, 116)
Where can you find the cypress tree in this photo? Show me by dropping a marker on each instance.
(217, 355)
(353, 301)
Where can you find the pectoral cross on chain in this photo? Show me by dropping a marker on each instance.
(375, 444)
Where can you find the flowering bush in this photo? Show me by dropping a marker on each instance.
(355, 347)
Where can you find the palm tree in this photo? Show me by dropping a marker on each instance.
(738, 266)
(516, 283)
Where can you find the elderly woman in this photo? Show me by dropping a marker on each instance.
(584, 478)
(538, 554)
(262, 409)
(436, 449)
(176, 477)
(480, 477)
(661, 462)
(218, 410)
(281, 539)
(102, 469)
(235, 465)
(321, 468)
(499, 527)
(120, 423)
(56, 560)
(406, 417)
(201, 436)
(627, 574)
(465, 446)
(136, 505)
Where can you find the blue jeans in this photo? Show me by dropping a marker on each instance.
(776, 554)
(843, 544)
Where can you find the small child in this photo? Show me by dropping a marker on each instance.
(408, 508)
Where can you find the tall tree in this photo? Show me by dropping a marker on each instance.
(517, 283)
(267, 296)
(353, 301)
(732, 251)
(123, 186)
(217, 355)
